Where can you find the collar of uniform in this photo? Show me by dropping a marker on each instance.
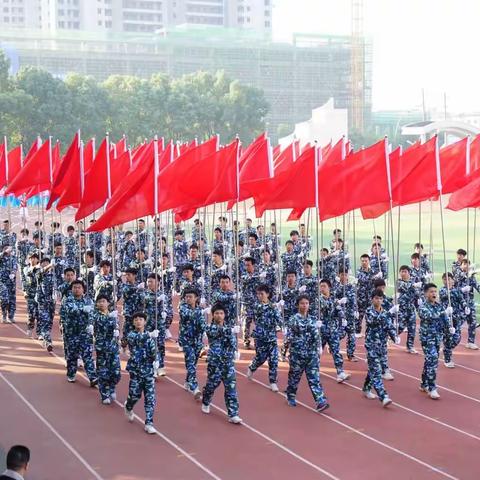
(12, 474)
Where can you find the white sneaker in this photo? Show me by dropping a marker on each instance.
(249, 374)
(388, 375)
(79, 362)
(423, 389)
(113, 396)
(369, 394)
(107, 401)
(186, 386)
(161, 372)
(358, 335)
(412, 351)
(30, 333)
(386, 401)
(71, 379)
(197, 394)
(40, 338)
(205, 408)
(150, 429)
(236, 419)
(472, 346)
(274, 387)
(342, 376)
(180, 349)
(433, 394)
(449, 364)
(128, 413)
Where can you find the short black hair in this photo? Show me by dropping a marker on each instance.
(308, 262)
(249, 259)
(193, 291)
(193, 246)
(326, 281)
(294, 232)
(18, 457)
(68, 269)
(70, 228)
(428, 286)
(418, 245)
(224, 276)
(24, 231)
(378, 293)
(365, 255)
(140, 315)
(301, 297)
(291, 272)
(102, 297)
(263, 288)
(379, 282)
(105, 263)
(78, 282)
(218, 306)
(253, 235)
(414, 256)
(34, 255)
(288, 242)
(218, 252)
(444, 276)
(153, 275)
(133, 271)
(461, 251)
(404, 267)
(188, 266)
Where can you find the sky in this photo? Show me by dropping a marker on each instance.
(429, 44)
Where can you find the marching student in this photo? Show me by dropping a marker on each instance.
(221, 363)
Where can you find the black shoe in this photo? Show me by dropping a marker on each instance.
(93, 383)
(49, 348)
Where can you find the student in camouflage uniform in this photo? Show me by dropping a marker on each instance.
(378, 325)
(133, 302)
(267, 321)
(24, 248)
(78, 331)
(141, 345)
(30, 292)
(45, 297)
(221, 363)
(289, 303)
(434, 322)
(305, 347)
(365, 278)
(105, 330)
(8, 287)
(249, 283)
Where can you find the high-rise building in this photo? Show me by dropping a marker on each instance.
(134, 15)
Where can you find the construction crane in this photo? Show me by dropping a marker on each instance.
(357, 110)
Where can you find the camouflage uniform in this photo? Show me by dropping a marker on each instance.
(71, 251)
(331, 315)
(433, 323)
(379, 325)
(408, 298)
(463, 279)
(132, 303)
(140, 368)
(229, 302)
(304, 345)
(250, 282)
(351, 312)
(191, 329)
(267, 320)
(30, 289)
(24, 249)
(459, 305)
(154, 308)
(106, 349)
(46, 303)
(221, 368)
(365, 279)
(8, 298)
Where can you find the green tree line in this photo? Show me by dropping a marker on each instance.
(34, 102)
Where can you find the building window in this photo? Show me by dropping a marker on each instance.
(99, 10)
(6, 19)
(61, 24)
(267, 13)
(100, 23)
(108, 24)
(267, 24)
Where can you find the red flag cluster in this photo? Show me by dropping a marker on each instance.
(154, 177)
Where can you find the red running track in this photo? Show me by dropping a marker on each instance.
(73, 436)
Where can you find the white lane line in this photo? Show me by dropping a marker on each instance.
(269, 439)
(364, 435)
(161, 435)
(52, 429)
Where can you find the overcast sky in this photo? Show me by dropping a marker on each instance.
(432, 44)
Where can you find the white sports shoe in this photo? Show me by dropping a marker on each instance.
(150, 429)
(274, 387)
(472, 346)
(433, 394)
(388, 375)
(197, 394)
(128, 413)
(236, 419)
(358, 335)
(449, 364)
(249, 374)
(342, 376)
(113, 396)
(186, 386)
(386, 401)
(107, 401)
(161, 372)
(412, 351)
(205, 408)
(71, 379)
(369, 394)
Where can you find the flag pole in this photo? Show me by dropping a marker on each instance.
(317, 218)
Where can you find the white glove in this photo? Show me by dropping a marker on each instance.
(417, 284)
(263, 275)
(428, 276)
(141, 286)
(281, 303)
(148, 262)
(223, 267)
(168, 334)
(449, 311)
(300, 255)
(89, 329)
(394, 309)
(319, 324)
(237, 355)
(204, 338)
(452, 330)
(356, 315)
(12, 276)
(378, 275)
(344, 323)
(342, 301)
(116, 333)
(88, 308)
(466, 289)
(154, 334)
(156, 365)
(236, 329)
(234, 296)
(346, 256)
(203, 302)
(320, 351)
(43, 250)
(397, 340)
(201, 282)
(284, 331)
(52, 262)
(385, 258)
(354, 281)
(397, 295)
(302, 289)
(161, 297)
(420, 302)
(172, 270)
(207, 311)
(467, 311)
(113, 314)
(164, 315)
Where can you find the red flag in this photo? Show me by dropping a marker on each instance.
(97, 186)
(454, 166)
(73, 186)
(61, 176)
(468, 196)
(174, 189)
(10, 164)
(120, 147)
(135, 197)
(36, 172)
